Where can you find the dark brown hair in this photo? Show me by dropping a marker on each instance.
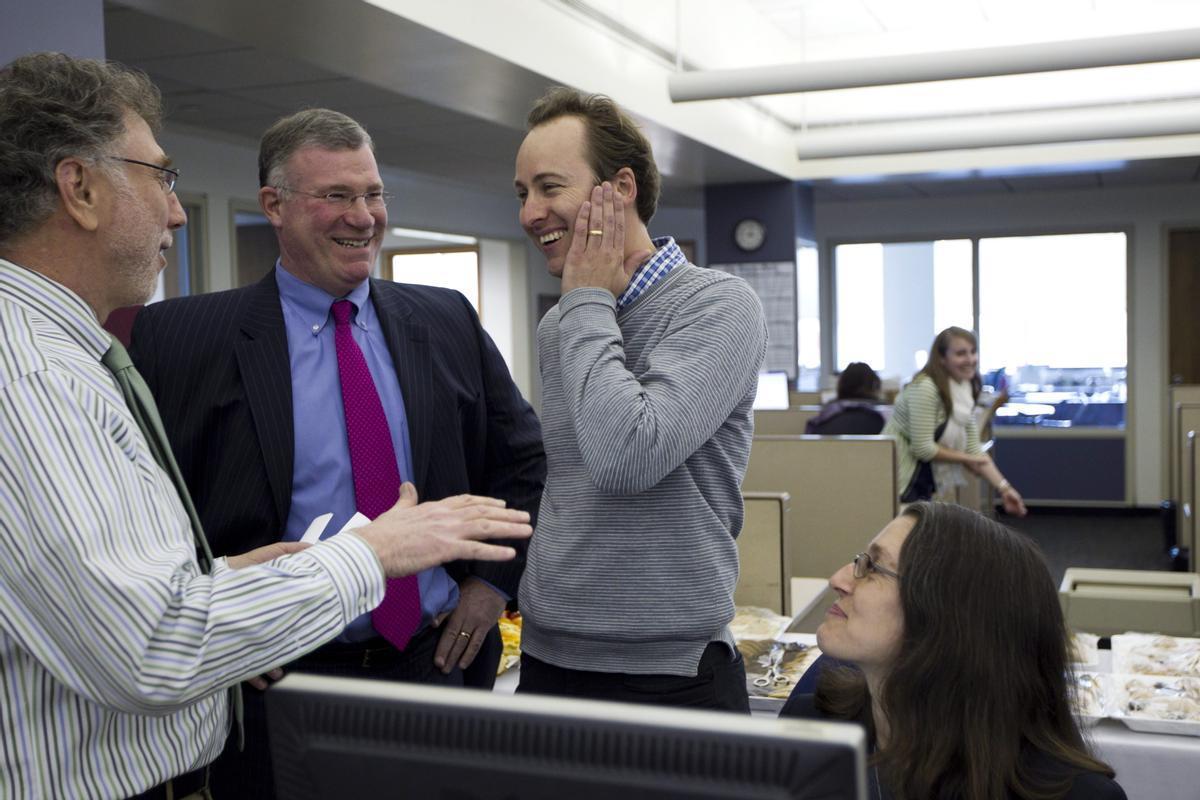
(614, 140)
(935, 370)
(858, 382)
(981, 674)
(52, 107)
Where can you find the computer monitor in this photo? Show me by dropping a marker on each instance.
(772, 394)
(343, 737)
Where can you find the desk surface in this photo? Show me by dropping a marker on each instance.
(1149, 766)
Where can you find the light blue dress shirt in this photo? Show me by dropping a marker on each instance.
(322, 480)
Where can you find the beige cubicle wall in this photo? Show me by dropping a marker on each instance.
(1111, 601)
(1188, 532)
(1185, 417)
(1178, 397)
(796, 398)
(842, 490)
(784, 423)
(762, 552)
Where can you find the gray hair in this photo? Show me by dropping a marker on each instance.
(313, 127)
(52, 107)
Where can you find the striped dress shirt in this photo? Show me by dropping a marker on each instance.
(115, 650)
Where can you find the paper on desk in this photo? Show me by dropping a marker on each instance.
(317, 527)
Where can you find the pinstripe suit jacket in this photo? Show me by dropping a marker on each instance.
(218, 367)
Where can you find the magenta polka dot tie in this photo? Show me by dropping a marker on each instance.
(376, 477)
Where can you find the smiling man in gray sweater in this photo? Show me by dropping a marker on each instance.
(649, 366)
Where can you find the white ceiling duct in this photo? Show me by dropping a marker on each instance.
(1132, 120)
(1142, 48)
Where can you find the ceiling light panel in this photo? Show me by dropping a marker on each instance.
(1028, 92)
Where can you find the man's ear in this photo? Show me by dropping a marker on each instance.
(626, 185)
(80, 190)
(270, 199)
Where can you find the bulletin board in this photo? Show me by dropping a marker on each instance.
(775, 284)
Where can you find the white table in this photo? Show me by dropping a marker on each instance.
(1150, 766)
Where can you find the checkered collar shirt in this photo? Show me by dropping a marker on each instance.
(667, 257)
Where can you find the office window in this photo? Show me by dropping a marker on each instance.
(893, 298)
(1052, 327)
(450, 268)
(184, 272)
(808, 318)
(1051, 317)
(255, 246)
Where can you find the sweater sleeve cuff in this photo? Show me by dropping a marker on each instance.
(355, 572)
(584, 296)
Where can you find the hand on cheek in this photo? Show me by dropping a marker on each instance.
(597, 254)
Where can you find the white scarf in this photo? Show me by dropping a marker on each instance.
(962, 397)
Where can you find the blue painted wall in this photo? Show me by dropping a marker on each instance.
(1063, 469)
(75, 27)
(785, 208)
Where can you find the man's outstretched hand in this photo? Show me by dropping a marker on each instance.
(411, 536)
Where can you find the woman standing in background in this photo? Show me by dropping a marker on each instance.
(935, 429)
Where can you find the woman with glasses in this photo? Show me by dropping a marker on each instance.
(954, 655)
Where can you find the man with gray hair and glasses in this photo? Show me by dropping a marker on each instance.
(317, 388)
(122, 640)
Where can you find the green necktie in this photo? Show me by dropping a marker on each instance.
(145, 413)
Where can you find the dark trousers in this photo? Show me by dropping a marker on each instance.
(720, 683)
(481, 673)
(248, 774)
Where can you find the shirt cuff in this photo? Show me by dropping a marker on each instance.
(355, 571)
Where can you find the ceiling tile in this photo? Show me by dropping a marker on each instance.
(1157, 170)
(133, 36)
(337, 93)
(402, 115)
(1050, 183)
(966, 187)
(201, 108)
(232, 69)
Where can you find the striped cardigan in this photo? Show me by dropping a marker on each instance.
(914, 421)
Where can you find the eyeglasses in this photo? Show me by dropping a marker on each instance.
(345, 200)
(166, 175)
(864, 565)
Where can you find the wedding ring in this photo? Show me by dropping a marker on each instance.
(464, 634)
(595, 233)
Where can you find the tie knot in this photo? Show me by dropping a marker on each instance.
(117, 357)
(342, 311)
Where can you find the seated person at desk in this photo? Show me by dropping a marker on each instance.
(959, 654)
(934, 425)
(853, 412)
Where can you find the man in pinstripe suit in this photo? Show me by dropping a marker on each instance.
(248, 385)
(116, 640)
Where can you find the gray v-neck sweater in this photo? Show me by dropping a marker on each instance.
(647, 421)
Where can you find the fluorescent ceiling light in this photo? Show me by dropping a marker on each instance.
(813, 76)
(1134, 120)
(435, 236)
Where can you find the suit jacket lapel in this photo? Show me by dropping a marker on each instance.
(408, 343)
(262, 356)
